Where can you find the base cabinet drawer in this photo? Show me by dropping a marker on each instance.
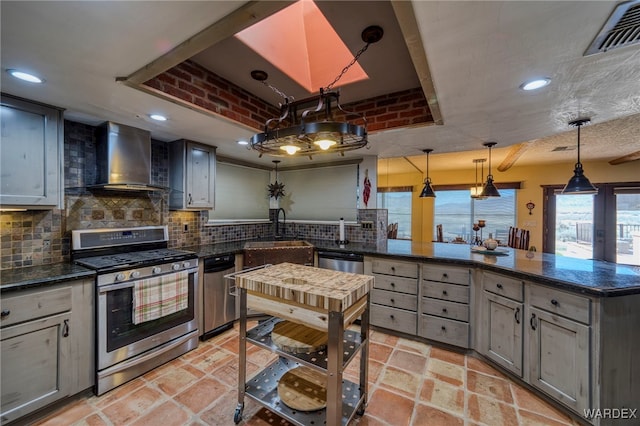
(394, 319)
(394, 299)
(393, 283)
(445, 330)
(443, 291)
(445, 309)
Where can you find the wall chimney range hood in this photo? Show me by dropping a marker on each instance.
(123, 159)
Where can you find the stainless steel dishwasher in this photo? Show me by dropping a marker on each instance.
(219, 305)
(341, 261)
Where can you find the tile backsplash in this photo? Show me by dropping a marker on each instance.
(43, 237)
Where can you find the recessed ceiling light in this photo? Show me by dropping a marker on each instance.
(25, 76)
(157, 117)
(535, 84)
(241, 142)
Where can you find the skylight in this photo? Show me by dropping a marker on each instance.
(300, 42)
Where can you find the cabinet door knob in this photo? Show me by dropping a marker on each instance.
(499, 285)
(554, 302)
(5, 313)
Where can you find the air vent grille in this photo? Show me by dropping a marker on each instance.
(622, 29)
(563, 148)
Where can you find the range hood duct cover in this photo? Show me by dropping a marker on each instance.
(123, 158)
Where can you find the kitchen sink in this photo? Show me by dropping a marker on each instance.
(258, 253)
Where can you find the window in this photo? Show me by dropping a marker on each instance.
(397, 201)
(241, 193)
(456, 211)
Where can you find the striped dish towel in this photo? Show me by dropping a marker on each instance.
(157, 297)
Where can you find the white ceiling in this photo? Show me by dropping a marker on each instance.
(479, 53)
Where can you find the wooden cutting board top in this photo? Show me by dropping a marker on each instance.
(298, 338)
(314, 287)
(303, 389)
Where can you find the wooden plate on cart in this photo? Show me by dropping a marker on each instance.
(298, 338)
(303, 389)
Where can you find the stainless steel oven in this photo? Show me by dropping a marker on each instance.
(126, 260)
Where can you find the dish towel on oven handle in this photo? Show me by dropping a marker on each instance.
(157, 297)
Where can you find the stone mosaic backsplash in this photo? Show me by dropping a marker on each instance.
(43, 237)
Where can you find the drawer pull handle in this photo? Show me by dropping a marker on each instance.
(393, 284)
(445, 276)
(391, 316)
(444, 310)
(554, 302)
(499, 285)
(5, 313)
(533, 321)
(444, 292)
(65, 328)
(443, 328)
(393, 301)
(517, 315)
(393, 268)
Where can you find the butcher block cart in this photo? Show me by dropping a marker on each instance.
(319, 300)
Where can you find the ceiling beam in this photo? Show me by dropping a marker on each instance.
(514, 153)
(626, 158)
(241, 18)
(411, 33)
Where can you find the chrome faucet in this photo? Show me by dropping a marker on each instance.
(284, 222)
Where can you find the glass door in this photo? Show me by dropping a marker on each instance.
(627, 201)
(605, 226)
(574, 230)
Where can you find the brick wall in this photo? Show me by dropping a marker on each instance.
(192, 84)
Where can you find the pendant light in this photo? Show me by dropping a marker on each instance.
(579, 184)
(427, 191)
(476, 189)
(490, 189)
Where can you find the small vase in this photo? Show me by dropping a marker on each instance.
(490, 243)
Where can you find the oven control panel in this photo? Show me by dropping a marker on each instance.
(143, 272)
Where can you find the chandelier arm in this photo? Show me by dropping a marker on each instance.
(285, 113)
(319, 107)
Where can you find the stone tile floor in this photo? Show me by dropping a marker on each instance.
(411, 383)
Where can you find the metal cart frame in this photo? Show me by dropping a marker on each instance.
(342, 346)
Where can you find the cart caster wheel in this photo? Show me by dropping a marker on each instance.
(237, 416)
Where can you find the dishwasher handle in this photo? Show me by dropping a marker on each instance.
(351, 257)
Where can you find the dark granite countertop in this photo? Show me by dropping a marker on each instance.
(579, 275)
(21, 278)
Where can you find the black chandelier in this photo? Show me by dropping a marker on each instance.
(304, 129)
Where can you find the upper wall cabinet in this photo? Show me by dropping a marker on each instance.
(31, 155)
(191, 175)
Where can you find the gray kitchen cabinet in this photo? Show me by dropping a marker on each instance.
(191, 175)
(46, 346)
(501, 324)
(560, 345)
(445, 310)
(31, 154)
(394, 298)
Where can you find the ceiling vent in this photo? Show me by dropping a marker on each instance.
(622, 29)
(563, 148)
